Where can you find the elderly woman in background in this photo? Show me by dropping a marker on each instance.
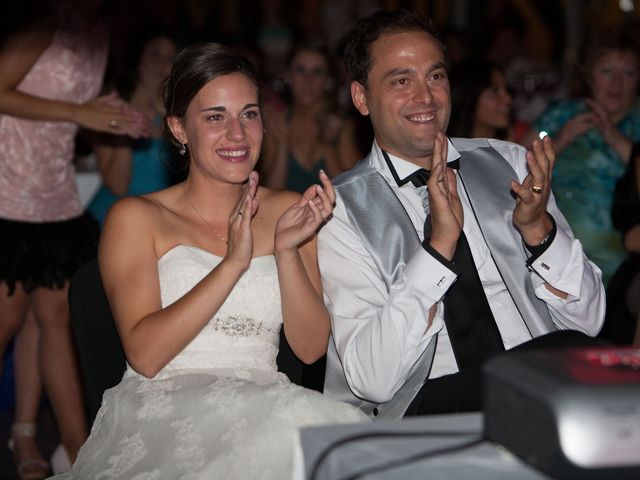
(593, 136)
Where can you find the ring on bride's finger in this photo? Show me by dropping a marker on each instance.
(113, 123)
(536, 188)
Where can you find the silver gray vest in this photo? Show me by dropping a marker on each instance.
(387, 233)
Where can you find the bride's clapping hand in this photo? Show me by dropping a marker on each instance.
(240, 241)
(301, 221)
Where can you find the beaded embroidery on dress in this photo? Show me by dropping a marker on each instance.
(218, 410)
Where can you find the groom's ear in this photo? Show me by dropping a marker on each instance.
(359, 97)
(175, 126)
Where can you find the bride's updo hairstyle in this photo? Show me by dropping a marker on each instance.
(193, 68)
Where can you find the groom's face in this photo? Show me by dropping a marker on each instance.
(407, 96)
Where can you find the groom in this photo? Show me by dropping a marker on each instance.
(441, 253)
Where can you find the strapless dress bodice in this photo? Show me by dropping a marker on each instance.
(244, 333)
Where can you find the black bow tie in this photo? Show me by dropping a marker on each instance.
(420, 177)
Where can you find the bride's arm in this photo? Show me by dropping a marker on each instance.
(151, 335)
(306, 319)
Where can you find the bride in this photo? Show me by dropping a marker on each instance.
(200, 278)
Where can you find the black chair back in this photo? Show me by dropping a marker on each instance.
(102, 360)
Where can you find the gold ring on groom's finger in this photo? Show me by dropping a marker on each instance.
(536, 188)
(113, 123)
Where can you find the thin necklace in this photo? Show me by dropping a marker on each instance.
(218, 234)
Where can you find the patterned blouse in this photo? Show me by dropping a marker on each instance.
(584, 179)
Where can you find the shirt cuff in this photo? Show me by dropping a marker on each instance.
(553, 265)
(432, 274)
(435, 254)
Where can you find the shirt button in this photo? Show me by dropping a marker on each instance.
(375, 412)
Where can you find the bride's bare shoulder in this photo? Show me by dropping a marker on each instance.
(143, 208)
(145, 216)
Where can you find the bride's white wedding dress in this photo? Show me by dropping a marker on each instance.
(218, 410)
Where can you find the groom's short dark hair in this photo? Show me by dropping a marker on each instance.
(357, 50)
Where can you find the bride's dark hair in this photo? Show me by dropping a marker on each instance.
(193, 68)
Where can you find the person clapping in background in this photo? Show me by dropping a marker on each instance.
(50, 75)
(593, 135)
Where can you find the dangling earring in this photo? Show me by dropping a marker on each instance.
(183, 149)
